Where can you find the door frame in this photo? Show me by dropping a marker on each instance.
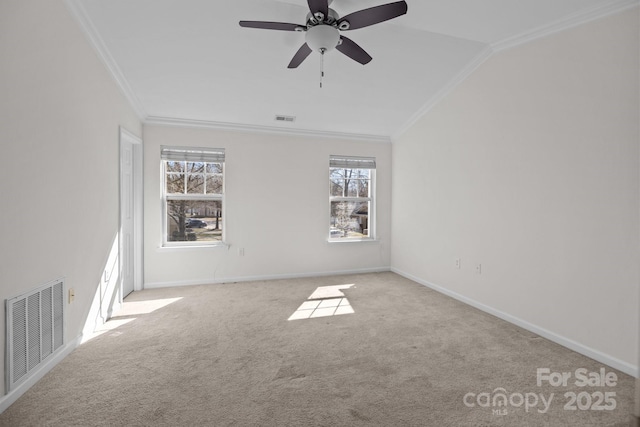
(127, 137)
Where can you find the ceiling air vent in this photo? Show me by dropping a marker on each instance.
(281, 118)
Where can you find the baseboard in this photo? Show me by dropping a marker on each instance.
(608, 360)
(154, 285)
(9, 398)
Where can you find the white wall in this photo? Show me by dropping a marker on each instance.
(60, 114)
(530, 168)
(277, 209)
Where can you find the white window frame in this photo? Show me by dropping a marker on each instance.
(351, 162)
(191, 154)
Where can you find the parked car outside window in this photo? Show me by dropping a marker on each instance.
(196, 223)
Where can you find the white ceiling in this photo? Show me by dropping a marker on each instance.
(189, 61)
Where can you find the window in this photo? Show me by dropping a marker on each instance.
(193, 196)
(351, 181)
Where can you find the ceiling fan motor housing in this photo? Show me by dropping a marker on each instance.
(319, 18)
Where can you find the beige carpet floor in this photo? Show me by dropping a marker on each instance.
(226, 355)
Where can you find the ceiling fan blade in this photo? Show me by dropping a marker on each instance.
(300, 56)
(319, 6)
(283, 26)
(374, 15)
(353, 51)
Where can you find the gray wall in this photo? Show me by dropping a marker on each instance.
(60, 116)
(530, 168)
(277, 209)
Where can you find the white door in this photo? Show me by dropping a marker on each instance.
(130, 212)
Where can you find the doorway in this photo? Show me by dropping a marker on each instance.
(130, 252)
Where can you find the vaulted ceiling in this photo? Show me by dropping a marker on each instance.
(189, 62)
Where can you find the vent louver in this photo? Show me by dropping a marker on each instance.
(35, 330)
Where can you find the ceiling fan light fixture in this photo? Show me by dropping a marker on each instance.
(323, 26)
(322, 38)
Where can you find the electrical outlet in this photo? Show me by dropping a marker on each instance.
(241, 252)
(72, 295)
(479, 268)
(458, 263)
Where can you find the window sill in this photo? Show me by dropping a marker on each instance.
(353, 240)
(179, 248)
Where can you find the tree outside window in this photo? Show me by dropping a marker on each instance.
(193, 196)
(351, 197)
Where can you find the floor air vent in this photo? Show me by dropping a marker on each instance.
(35, 330)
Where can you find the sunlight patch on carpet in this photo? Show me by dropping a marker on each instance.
(135, 308)
(325, 301)
(323, 292)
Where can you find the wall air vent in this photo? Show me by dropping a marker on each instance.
(282, 118)
(35, 331)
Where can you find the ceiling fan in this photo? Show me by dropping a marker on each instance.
(323, 26)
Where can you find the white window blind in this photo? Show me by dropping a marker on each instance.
(213, 155)
(352, 162)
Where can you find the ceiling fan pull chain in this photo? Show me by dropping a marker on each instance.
(321, 66)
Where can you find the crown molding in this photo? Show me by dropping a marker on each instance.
(583, 17)
(478, 60)
(86, 25)
(88, 28)
(206, 124)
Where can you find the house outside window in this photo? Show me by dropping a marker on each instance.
(351, 198)
(193, 196)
